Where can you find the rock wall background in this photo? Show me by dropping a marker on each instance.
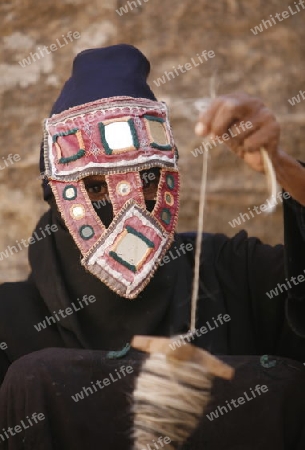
(169, 32)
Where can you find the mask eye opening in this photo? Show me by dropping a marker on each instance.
(150, 182)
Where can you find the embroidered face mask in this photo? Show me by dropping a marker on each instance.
(116, 137)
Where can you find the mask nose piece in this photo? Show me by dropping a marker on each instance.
(104, 210)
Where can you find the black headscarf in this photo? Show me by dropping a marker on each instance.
(111, 321)
(162, 308)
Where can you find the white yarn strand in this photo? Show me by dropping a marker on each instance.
(271, 180)
(202, 202)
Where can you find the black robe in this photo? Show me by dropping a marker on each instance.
(44, 369)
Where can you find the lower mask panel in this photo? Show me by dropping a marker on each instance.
(127, 255)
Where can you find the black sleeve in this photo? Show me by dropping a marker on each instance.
(4, 365)
(21, 307)
(251, 276)
(294, 228)
(261, 287)
(272, 280)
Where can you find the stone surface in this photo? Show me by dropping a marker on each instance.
(269, 64)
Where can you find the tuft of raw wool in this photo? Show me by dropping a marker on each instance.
(172, 391)
(169, 400)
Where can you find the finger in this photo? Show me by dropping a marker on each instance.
(206, 118)
(226, 118)
(267, 137)
(255, 160)
(241, 130)
(227, 109)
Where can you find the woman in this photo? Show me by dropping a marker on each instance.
(115, 268)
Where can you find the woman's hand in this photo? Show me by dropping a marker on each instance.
(245, 125)
(229, 114)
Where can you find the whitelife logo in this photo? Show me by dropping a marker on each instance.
(43, 51)
(184, 68)
(130, 6)
(63, 313)
(123, 371)
(236, 403)
(159, 444)
(24, 425)
(9, 160)
(182, 340)
(295, 100)
(175, 253)
(10, 250)
(279, 288)
(3, 346)
(242, 126)
(270, 203)
(279, 17)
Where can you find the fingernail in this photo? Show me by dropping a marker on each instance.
(200, 129)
